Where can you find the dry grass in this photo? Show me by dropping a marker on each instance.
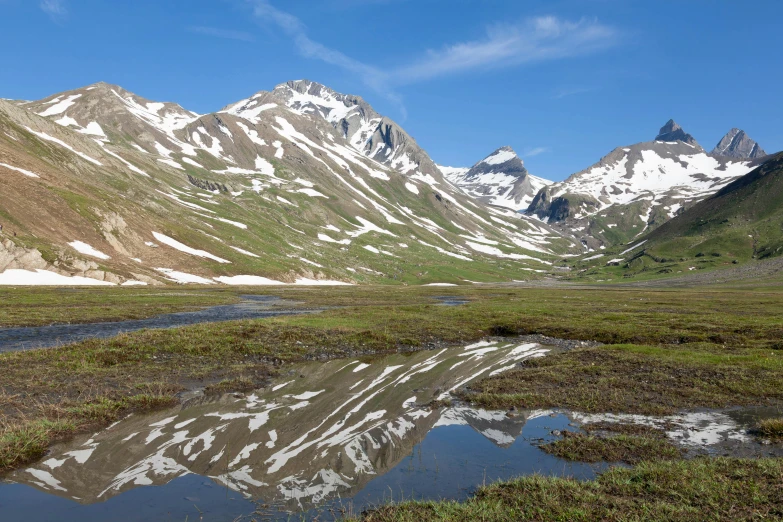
(28, 428)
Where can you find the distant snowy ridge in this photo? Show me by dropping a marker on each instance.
(500, 179)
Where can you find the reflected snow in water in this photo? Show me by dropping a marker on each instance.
(326, 437)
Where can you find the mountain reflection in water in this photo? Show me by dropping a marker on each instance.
(322, 432)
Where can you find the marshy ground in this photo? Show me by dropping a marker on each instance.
(642, 351)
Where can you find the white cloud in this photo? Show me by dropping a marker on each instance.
(54, 8)
(564, 92)
(227, 34)
(534, 40)
(535, 151)
(297, 31)
(505, 45)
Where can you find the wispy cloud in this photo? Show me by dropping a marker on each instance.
(297, 31)
(505, 45)
(534, 151)
(564, 92)
(534, 40)
(227, 34)
(55, 9)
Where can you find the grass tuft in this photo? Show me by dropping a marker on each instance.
(630, 449)
(772, 428)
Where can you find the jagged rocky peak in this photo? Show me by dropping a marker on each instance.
(673, 132)
(309, 96)
(737, 144)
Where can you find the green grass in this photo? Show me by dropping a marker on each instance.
(716, 489)
(630, 449)
(44, 306)
(652, 380)
(712, 348)
(771, 428)
(26, 439)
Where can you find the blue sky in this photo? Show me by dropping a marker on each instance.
(561, 81)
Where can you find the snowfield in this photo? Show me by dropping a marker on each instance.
(17, 277)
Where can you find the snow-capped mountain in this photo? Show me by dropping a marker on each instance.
(500, 179)
(376, 136)
(636, 188)
(737, 144)
(298, 184)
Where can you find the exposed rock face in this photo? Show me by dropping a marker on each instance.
(206, 185)
(673, 132)
(16, 257)
(737, 144)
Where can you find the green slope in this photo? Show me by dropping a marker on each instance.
(741, 223)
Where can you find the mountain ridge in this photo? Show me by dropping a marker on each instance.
(635, 188)
(148, 192)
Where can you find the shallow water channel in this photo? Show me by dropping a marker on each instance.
(323, 439)
(251, 307)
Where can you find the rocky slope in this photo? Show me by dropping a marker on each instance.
(636, 188)
(299, 184)
(737, 144)
(500, 179)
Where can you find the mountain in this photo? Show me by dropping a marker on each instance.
(737, 144)
(634, 189)
(376, 136)
(500, 179)
(740, 223)
(298, 184)
(671, 132)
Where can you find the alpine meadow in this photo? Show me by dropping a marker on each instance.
(264, 299)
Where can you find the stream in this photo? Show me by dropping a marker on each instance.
(251, 307)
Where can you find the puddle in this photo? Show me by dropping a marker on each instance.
(709, 432)
(345, 433)
(450, 300)
(324, 439)
(251, 307)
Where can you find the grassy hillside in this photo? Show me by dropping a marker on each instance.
(742, 223)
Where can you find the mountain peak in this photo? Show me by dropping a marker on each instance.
(305, 86)
(737, 144)
(500, 179)
(501, 156)
(315, 89)
(669, 127)
(672, 131)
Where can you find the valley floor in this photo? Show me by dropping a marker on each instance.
(640, 350)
